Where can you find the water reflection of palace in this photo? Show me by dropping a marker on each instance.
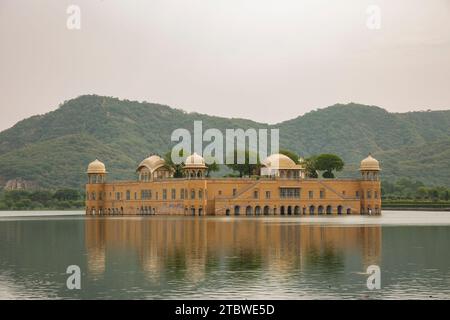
(192, 244)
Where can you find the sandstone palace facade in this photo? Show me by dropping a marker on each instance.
(281, 189)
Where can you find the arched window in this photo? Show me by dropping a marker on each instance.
(237, 210)
(296, 210)
(339, 209)
(249, 210)
(266, 210)
(320, 210)
(282, 210)
(257, 210)
(289, 209)
(329, 210)
(311, 210)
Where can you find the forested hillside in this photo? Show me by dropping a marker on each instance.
(53, 150)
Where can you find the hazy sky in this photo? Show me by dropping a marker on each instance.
(267, 60)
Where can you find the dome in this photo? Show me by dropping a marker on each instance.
(194, 161)
(279, 161)
(370, 163)
(96, 167)
(152, 163)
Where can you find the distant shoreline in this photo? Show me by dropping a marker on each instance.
(388, 208)
(404, 205)
(415, 209)
(42, 209)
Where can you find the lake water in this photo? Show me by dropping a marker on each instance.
(224, 257)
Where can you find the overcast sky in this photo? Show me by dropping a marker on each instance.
(267, 60)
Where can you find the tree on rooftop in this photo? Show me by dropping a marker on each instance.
(329, 163)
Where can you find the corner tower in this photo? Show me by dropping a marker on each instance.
(95, 188)
(370, 193)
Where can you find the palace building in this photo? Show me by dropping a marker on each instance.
(281, 189)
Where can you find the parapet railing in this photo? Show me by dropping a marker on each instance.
(236, 179)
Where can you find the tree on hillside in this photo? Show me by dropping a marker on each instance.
(434, 194)
(66, 195)
(290, 154)
(329, 163)
(246, 168)
(422, 193)
(42, 196)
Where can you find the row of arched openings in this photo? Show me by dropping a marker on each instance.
(145, 210)
(288, 210)
(193, 173)
(106, 211)
(370, 210)
(192, 211)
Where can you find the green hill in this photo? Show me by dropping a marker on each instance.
(428, 162)
(53, 150)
